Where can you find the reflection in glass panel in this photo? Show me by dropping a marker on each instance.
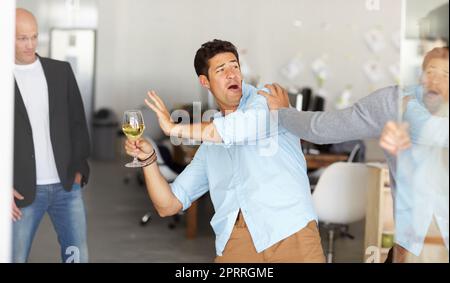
(422, 196)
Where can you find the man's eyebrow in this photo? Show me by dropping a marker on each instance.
(218, 67)
(436, 68)
(232, 61)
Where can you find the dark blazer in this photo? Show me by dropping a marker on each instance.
(68, 132)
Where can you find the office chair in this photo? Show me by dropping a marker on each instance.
(340, 199)
(356, 151)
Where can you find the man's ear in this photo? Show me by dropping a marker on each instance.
(204, 81)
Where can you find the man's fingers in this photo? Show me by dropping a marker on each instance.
(153, 107)
(390, 139)
(156, 100)
(282, 89)
(160, 101)
(130, 143)
(131, 152)
(17, 212)
(130, 148)
(141, 143)
(278, 89)
(263, 93)
(15, 217)
(152, 96)
(17, 195)
(389, 147)
(271, 89)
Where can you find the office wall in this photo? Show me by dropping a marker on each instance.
(66, 14)
(151, 44)
(146, 45)
(60, 14)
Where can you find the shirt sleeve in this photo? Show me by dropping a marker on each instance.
(252, 123)
(192, 183)
(364, 120)
(426, 129)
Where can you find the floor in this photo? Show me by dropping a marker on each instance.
(114, 210)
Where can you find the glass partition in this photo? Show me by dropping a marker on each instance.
(422, 194)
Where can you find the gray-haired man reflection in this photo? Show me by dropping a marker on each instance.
(368, 116)
(364, 120)
(422, 198)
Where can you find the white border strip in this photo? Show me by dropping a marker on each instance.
(7, 36)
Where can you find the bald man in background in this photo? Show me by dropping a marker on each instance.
(51, 147)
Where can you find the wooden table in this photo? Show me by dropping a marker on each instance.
(191, 221)
(317, 161)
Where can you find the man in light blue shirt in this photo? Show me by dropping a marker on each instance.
(258, 185)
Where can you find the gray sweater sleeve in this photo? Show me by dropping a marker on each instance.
(364, 120)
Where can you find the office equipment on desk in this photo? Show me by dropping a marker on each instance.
(306, 98)
(300, 99)
(318, 103)
(340, 198)
(299, 102)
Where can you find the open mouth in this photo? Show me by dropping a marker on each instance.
(433, 100)
(432, 94)
(234, 87)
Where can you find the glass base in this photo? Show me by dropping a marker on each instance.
(134, 164)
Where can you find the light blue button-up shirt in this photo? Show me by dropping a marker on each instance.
(422, 176)
(265, 179)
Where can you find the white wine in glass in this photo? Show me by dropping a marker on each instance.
(133, 127)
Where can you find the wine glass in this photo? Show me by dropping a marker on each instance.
(133, 127)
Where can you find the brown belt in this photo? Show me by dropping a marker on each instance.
(240, 220)
(435, 241)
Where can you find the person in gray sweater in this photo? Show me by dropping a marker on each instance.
(367, 119)
(364, 120)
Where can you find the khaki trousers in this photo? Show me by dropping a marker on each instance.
(302, 247)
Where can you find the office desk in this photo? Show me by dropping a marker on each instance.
(317, 161)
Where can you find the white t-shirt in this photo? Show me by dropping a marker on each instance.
(33, 87)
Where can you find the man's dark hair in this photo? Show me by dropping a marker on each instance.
(208, 51)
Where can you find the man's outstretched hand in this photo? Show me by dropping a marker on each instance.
(155, 103)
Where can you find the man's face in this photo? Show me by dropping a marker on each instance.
(225, 80)
(26, 41)
(435, 83)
